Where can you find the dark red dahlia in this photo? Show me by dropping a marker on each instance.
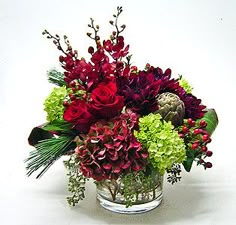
(193, 107)
(140, 93)
(109, 150)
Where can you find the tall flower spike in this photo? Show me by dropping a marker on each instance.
(56, 40)
(95, 29)
(119, 29)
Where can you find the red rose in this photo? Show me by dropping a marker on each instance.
(78, 114)
(104, 102)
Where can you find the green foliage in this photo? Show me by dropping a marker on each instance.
(185, 85)
(191, 155)
(56, 78)
(58, 125)
(47, 152)
(76, 184)
(163, 143)
(54, 104)
(212, 120)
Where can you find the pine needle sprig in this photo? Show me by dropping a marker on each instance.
(56, 77)
(47, 152)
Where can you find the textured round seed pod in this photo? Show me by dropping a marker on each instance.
(171, 108)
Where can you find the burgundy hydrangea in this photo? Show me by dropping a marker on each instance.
(110, 149)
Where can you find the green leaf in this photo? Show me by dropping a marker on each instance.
(189, 160)
(38, 134)
(58, 125)
(188, 164)
(212, 120)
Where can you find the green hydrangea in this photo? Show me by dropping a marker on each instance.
(163, 143)
(185, 85)
(53, 104)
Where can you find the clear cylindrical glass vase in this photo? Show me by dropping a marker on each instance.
(132, 194)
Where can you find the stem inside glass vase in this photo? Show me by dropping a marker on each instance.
(130, 191)
(112, 185)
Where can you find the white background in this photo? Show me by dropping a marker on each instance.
(194, 38)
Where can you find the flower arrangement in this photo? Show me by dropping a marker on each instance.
(116, 122)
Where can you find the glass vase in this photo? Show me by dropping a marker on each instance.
(132, 194)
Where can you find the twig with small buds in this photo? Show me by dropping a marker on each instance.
(116, 16)
(56, 40)
(96, 38)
